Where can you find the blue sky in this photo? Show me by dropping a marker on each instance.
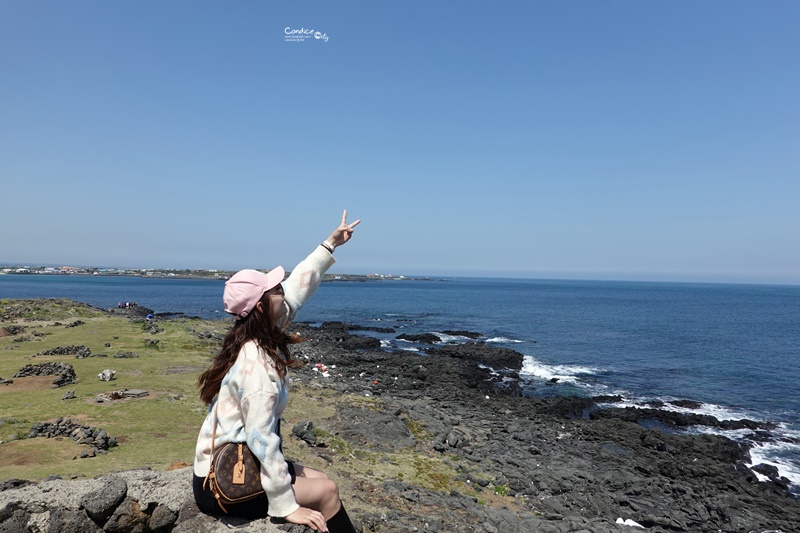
(583, 139)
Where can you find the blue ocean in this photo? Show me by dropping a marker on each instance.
(735, 348)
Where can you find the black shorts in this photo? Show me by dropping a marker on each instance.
(251, 510)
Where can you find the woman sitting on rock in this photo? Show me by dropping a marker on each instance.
(247, 390)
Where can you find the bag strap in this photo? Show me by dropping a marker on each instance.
(214, 427)
(210, 478)
(213, 438)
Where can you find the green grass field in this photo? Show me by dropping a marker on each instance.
(170, 416)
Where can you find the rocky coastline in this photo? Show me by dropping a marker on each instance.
(573, 465)
(554, 464)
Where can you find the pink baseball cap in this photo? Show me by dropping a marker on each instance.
(246, 287)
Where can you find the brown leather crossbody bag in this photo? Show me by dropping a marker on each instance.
(235, 474)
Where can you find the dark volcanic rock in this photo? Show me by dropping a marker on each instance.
(66, 521)
(136, 313)
(96, 438)
(356, 342)
(766, 470)
(79, 351)
(380, 430)
(492, 356)
(688, 404)
(567, 406)
(13, 520)
(100, 504)
(341, 326)
(64, 371)
(338, 333)
(376, 329)
(127, 517)
(171, 315)
(422, 338)
(208, 335)
(305, 431)
(678, 420)
(162, 518)
(344, 326)
(462, 333)
(14, 483)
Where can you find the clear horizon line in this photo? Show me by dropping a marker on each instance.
(544, 276)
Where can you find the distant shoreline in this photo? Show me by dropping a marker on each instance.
(195, 274)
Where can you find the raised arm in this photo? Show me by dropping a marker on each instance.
(306, 276)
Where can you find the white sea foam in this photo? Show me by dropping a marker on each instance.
(385, 343)
(487, 367)
(568, 373)
(450, 339)
(720, 412)
(504, 340)
(624, 401)
(781, 455)
(772, 453)
(717, 411)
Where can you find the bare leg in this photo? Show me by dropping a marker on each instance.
(317, 493)
(304, 471)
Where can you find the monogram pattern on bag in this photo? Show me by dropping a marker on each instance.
(225, 459)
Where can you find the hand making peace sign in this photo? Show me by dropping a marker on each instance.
(343, 233)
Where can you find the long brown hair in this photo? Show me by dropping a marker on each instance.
(256, 326)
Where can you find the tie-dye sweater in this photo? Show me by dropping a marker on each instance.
(252, 397)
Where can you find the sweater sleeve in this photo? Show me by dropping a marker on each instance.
(305, 279)
(261, 393)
